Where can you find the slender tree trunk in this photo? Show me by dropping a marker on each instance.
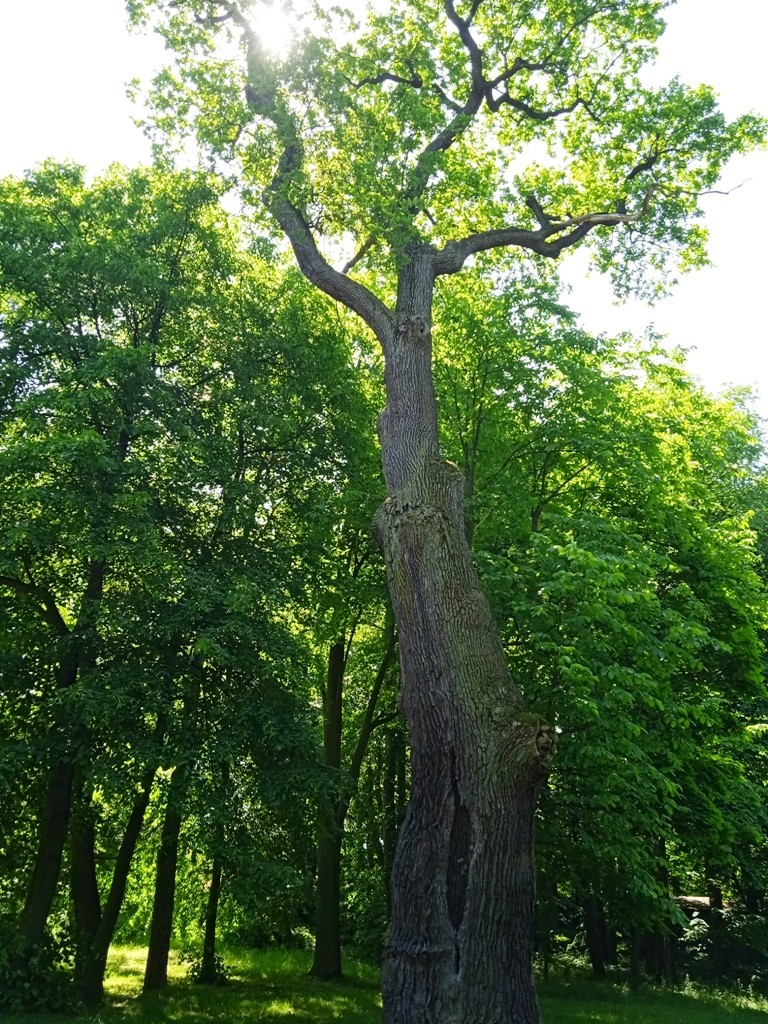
(156, 971)
(635, 972)
(208, 973)
(719, 946)
(547, 910)
(596, 934)
(460, 948)
(91, 963)
(84, 886)
(393, 798)
(326, 962)
(51, 835)
(54, 820)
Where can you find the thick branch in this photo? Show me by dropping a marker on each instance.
(317, 269)
(362, 252)
(265, 101)
(548, 240)
(415, 81)
(495, 102)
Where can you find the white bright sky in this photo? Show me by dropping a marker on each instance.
(63, 65)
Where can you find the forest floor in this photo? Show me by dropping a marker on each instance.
(273, 987)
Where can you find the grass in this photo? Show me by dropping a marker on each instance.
(273, 987)
(586, 1002)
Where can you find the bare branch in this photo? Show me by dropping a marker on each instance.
(646, 165)
(415, 81)
(533, 204)
(496, 102)
(468, 40)
(212, 19)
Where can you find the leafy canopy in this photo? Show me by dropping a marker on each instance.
(526, 124)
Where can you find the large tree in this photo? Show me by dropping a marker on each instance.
(441, 131)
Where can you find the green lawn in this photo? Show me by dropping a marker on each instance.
(273, 987)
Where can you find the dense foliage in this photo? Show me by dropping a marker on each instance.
(200, 727)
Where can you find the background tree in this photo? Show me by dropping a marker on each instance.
(613, 499)
(169, 469)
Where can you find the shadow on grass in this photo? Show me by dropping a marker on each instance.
(586, 1002)
(274, 987)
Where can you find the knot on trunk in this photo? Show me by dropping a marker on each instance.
(531, 739)
(414, 329)
(434, 490)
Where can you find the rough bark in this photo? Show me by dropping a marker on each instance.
(460, 948)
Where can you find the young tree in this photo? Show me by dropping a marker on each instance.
(441, 131)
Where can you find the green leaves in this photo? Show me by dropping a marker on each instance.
(441, 121)
(610, 502)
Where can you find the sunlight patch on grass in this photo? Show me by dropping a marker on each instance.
(279, 1007)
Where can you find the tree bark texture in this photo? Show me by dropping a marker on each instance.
(460, 947)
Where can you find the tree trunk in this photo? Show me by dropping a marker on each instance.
(393, 803)
(54, 820)
(84, 887)
(635, 972)
(596, 934)
(548, 916)
(51, 835)
(156, 971)
(208, 973)
(460, 948)
(326, 962)
(718, 940)
(90, 968)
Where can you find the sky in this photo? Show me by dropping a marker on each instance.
(64, 65)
